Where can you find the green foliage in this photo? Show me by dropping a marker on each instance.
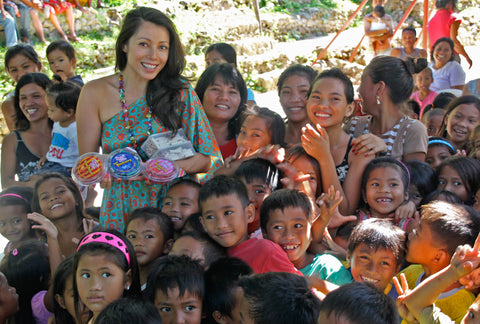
(118, 3)
(294, 7)
(253, 84)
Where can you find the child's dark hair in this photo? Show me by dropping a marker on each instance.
(450, 224)
(468, 170)
(440, 141)
(221, 280)
(282, 199)
(212, 251)
(186, 181)
(162, 219)
(27, 268)
(379, 233)
(40, 79)
(176, 271)
(17, 196)
(194, 224)
(386, 162)
(339, 75)
(93, 212)
(63, 273)
(410, 29)
(229, 75)
(127, 310)
(63, 46)
(414, 106)
(70, 186)
(296, 69)
(262, 169)
(422, 176)
(342, 303)
(463, 100)
(380, 11)
(274, 122)
(345, 230)
(440, 40)
(22, 49)
(443, 99)
(280, 297)
(222, 185)
(226, 50)
(442, 195)
(66, 95)
(94, 247)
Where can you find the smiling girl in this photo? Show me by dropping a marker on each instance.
(330, 101)
(57, 206)
(461, 117)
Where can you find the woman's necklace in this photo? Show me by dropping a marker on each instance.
(129, 125)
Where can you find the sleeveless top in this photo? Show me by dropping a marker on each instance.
(342, 168)
(122, 197)
(403, 55)
(26, 161)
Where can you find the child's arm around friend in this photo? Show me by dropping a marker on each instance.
(417, 301)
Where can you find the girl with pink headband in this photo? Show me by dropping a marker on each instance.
(14, 225)
(105, 269)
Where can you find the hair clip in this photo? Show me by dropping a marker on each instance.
(14, 252)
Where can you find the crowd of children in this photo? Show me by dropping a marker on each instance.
(310, 222)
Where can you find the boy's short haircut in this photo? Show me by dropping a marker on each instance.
(282, 199)
(410, 29)
(259, 169)
(450, 224)
(221, 279)
(212, 251)
(162, 219)
(175, 271)
(280, 298)
(379, 233)
(129, 310)
(380, 11)
(186, 181)
(62, 46)
(359, 303)
(222, 185)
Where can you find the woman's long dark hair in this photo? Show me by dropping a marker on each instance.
(163, 92)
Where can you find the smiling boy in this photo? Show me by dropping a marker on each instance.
(225, 215)
(375, 252)
(443, 227)
(286, 219)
